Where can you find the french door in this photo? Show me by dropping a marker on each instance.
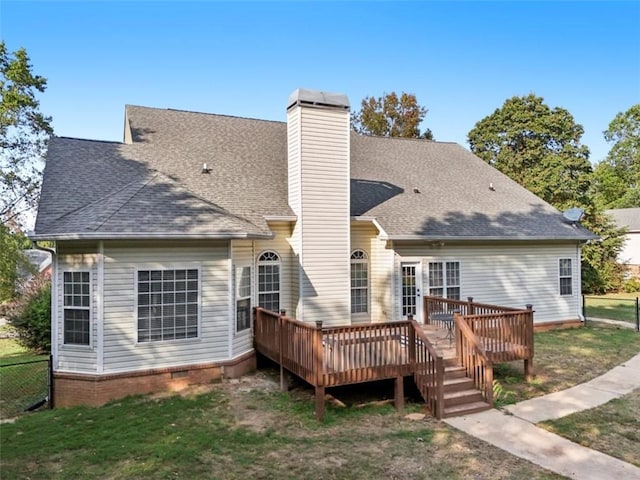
(411, 290)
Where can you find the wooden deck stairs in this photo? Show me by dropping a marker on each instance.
(460, 396)
(450, 357)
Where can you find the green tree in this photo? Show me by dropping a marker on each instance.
(23, 134)
(539, 147)
(617, 178)
(30, 315)
(391, 116)
(12, 260)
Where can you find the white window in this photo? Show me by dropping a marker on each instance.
(168, 304)
(566, 278)
(269, 281)
(243, 298)
(77, 307)
(444, 280)
(359, 282)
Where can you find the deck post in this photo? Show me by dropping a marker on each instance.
(470, 307)
(528, 362)
(282, 341)
(319, 386)
(399, 393)
(411, 346)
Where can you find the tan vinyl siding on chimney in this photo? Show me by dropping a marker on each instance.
(508, 274)
(319, 158)
(121, 350)
(77, 358)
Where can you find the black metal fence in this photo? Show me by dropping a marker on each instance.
(25, 386)
(621, 309)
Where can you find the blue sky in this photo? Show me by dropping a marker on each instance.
(462, 60)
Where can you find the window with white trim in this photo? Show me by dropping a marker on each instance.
(359, 282)
(566, 276)
(269, 281)
(77, 308)
(243, 298)
(168, 304)
(444, 280)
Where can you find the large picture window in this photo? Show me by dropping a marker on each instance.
(243, 298)
(269, 281)
(167, 304)
(77, 307)
(444, 280)
(359, 282)
(566, 277)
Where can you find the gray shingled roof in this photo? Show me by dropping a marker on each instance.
(155, 186)
(626, 217)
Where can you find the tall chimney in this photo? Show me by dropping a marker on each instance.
(318, 157)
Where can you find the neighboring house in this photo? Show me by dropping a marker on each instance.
(164, 242)
(38, 262)
(630, 254)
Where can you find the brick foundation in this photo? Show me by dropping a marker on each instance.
(93, 390)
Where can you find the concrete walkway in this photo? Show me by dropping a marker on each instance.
(514, 431)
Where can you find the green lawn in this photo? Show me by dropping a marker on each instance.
(613, 306)
(564, 358)
(246, 430)
(612, 428)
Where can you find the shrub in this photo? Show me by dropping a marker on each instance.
(30, 315)
(631, 285)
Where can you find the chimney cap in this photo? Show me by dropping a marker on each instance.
(316, 98)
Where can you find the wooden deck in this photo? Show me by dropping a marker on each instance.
(332, 356)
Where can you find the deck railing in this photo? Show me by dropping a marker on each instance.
(333, 356)
(474, 358)
(428, 370)
(505, 333)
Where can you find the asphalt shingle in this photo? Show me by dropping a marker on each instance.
(156, 184)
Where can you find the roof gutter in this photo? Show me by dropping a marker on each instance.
(489, 238)
(383, 234)
(149, 236)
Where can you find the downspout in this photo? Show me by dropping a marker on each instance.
(54, 301)
(579, 275)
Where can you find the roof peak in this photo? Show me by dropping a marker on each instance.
(209, 114)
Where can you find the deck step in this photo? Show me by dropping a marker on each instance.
(451, 362)
(466, 409)
(461, 397)
(457, 384)
(454, 372)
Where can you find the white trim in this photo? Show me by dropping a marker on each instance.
(55, 320)
(163, 267)
(280, 218)
(366, 261)
(560, 276)
(100, 309)
(579, 282)
(146, 236)
(231, 299)
(91, 343)
(419, 286)
(440, 238)
(257, 275)
(445, 285)
(236, 286)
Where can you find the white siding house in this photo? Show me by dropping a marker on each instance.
(165, 242)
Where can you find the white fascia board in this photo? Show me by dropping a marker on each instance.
(149, 236)
(382, 235)
(435, 238)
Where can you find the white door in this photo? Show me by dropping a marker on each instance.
(411, 290)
